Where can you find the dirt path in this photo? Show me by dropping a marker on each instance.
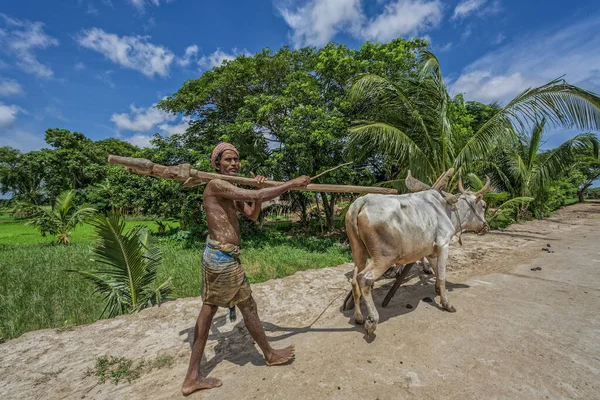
(517, 333)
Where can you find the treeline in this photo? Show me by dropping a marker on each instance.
(293, 112)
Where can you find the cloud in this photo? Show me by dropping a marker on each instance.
(133, 52)
(10, 87)
(500, 37)
(105, 78)
(466, 8)
(22, 140)
(8, 115)
(79, 66)
(178, 128)
(140, 140)
(217, 57)
(319, 21)
(191, 52)
(480, 8)
(535, 59)
(445, 47)
(141, 5)
(21, 39)
(141, 119)
(404, 18)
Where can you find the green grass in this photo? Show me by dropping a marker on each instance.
(36, 292)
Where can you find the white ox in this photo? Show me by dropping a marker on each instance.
(402, 229)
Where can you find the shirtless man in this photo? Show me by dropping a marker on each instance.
(224, 283)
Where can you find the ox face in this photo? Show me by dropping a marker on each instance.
(471, 211)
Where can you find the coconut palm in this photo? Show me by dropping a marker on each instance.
(522, 169)
(130, 262)
(60, 221)
(409, 122)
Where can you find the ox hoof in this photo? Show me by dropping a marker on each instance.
(370, 327)
(359, 320)
(449, 308)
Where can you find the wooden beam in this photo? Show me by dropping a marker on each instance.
(192, 177)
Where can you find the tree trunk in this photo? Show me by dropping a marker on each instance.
(580, 196)
(329, 206)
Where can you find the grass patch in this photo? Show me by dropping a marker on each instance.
(117, 369)
(36, 292)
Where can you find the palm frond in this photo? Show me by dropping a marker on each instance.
(558, 102)
(393, 141)
(557, 161)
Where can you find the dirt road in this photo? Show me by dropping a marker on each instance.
(517, 333)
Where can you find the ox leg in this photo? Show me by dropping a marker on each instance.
(426, 266)
(433, 262)
(365, 279)
(360, 260)
(399, 280)
(441, 279)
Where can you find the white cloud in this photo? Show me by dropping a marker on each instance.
(191, 52)
(217, 57)
(487, 88)
(141, 5)
(79, 66)
(91, 9)
(21, 140)
(404, 17)
(318, 21)
(139, 140)
(141, 119)
(10, 87)
(133, 52)
(105, 78)
(445, 47)
(533, 60)
(8, 115)
(178, 128)
(480, 8)
(500, 37)
(21, 39)
(466, 8)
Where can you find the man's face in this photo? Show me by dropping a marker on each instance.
(229, 163)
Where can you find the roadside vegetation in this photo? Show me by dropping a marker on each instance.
(385, 107)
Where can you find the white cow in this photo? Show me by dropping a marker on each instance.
(402, 229)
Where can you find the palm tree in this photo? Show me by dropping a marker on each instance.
(130, 262)
(60, 221)
(524, 171)
(409, 121)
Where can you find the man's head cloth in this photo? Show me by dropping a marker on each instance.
(218, 150)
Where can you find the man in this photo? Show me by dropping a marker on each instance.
(224, 283)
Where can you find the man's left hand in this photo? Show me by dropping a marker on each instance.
(258, 178)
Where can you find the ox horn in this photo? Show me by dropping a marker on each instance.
(443, 180)
(461, 188)
(415, 185)
(485, 188)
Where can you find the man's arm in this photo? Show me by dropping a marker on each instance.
(250, 211)
(221, 188)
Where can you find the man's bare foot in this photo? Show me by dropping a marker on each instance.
(191, 385)
(278, 357)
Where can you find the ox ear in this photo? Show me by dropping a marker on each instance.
(450, 198)
(415, 185)
(479, 198)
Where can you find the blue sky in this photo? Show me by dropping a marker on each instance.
(98, 66)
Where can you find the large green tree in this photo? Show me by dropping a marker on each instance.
(22, 175)
(287, 111)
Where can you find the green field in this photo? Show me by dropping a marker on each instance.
(36, 292)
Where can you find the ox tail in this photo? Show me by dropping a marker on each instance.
(359, 249)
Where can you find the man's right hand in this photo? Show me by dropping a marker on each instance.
(301, 181)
